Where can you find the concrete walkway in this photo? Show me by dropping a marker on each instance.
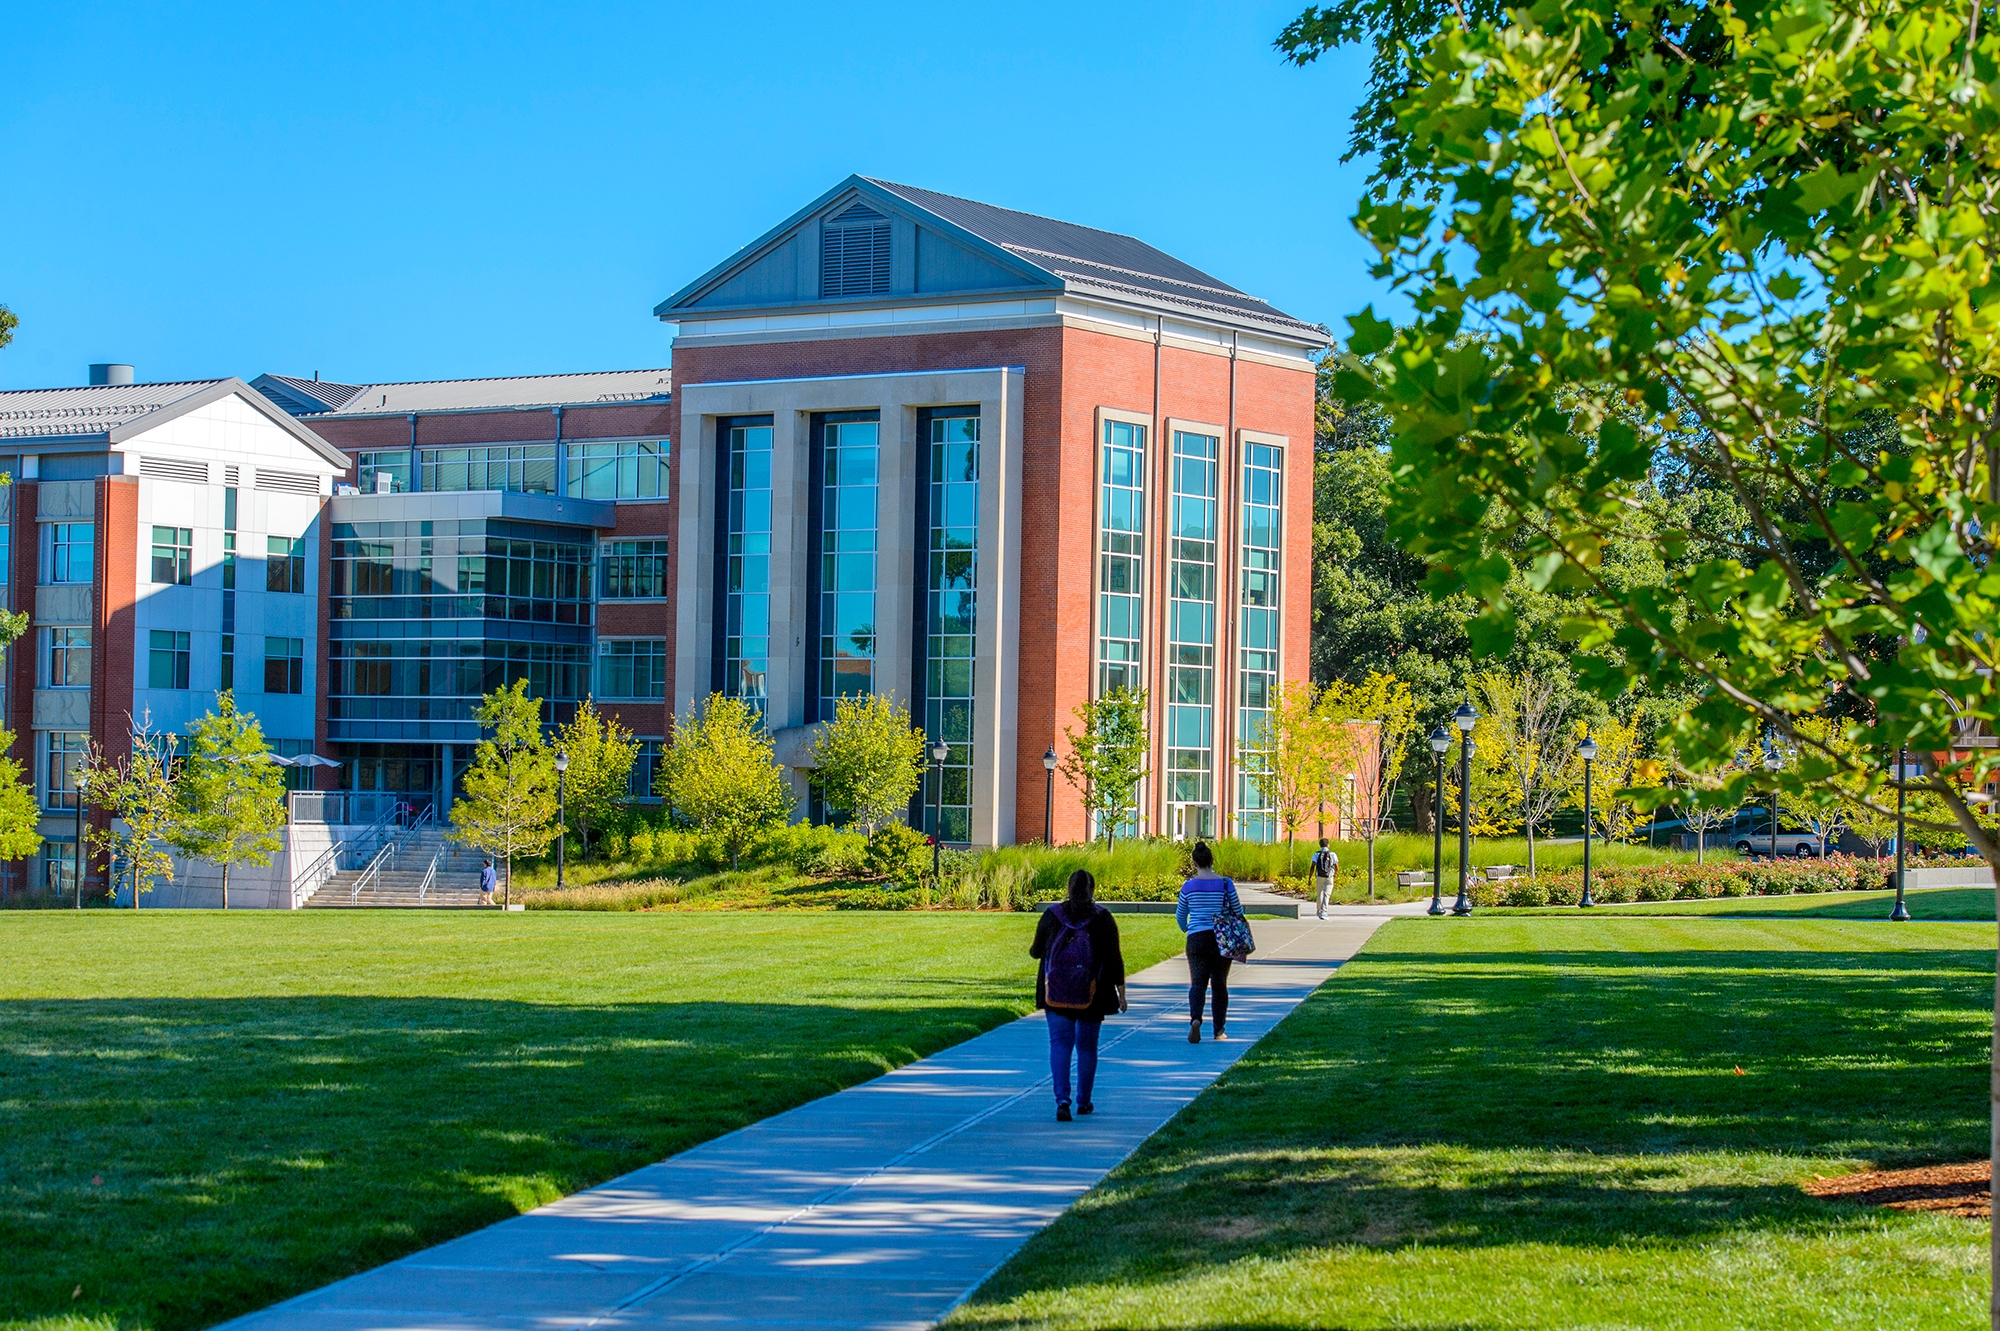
(881, 1206)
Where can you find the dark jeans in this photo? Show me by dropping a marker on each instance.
(1078, 1034)
(1207, 968)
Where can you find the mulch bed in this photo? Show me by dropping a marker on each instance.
(1965, 1190)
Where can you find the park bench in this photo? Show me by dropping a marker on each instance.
(1496, 873)
(1413, 878)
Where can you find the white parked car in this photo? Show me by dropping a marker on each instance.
(1752, 836)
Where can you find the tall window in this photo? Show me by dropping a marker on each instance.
(953, 615)
(1121, 545)
(65, 658)
(632, 669)
(64, 753)
(66, 550)
(1190, 703)
(619, 469)
(522, 468)
(645, 770)
(166, 660)
(285, 564)
(633, 570)
(746, 647)
(850, 452)
(1257, 646)
(393, 463)
(173, 555)
(284, 665)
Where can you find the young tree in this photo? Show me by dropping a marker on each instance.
(720, 776)
(232, 796)
(1107, 757)
(1532, 734)
(509, 805)
(138, 791)
(1295, 755)
(1706, 799)
(601, 754)
(868, 760)
(1611, 776)
(1372, 723)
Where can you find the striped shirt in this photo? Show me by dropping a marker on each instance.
(1202, 900)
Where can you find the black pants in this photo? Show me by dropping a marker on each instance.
(1207, 968)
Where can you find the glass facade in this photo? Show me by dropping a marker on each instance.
(427, 616)
(632, 669)
(1262, 512)
(1121, 547)
(393, 463)
(850, 456)
(746, 647)
(618, 468)
(645, 770)
(522, 468)
(1190, 646)
(953, 566)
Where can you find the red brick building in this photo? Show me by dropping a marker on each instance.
(992, 464)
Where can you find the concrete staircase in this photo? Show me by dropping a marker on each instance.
(400, 879)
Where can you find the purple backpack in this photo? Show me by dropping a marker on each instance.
(1070, 968)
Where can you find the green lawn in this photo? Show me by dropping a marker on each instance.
(201, 1114)
(1558, 1123)
(1925, 903)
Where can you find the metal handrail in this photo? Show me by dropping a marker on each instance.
(387, 852)
(321, 869)
(391, 848)
(429, 877)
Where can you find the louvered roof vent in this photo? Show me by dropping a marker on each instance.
(854, 253)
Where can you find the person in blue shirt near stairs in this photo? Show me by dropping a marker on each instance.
(1202, 899)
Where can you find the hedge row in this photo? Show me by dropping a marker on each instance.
(1690, 882)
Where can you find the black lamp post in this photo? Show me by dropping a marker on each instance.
(1588, 751)
(1902, 911)
(80, 781)
(938, 755)
(1049, 798)
(562, 826)
(1440, 745)
(1466, 719)
(1772, 762)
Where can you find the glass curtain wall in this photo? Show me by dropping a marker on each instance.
(1190, 703)
(746, 650)
(851, 456)
(953, 558)
(1121, 545)
(1257, 645)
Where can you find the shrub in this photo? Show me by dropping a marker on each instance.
(1523, 892)
(896, 851)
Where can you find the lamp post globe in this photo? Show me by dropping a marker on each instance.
(1440, 741)
(81, 780)
(1465, 719)
(938, 754)
(1588, 752)
(562, 824)
(1049, 797)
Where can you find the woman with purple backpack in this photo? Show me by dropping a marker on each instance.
(1080, 983)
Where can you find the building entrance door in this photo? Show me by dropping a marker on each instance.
(1192, 822)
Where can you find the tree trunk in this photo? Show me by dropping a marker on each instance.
(1371, 868)
(507, 883)
(1421, 812)
(225, 888)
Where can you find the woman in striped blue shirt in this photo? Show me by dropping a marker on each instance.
(1202, 899)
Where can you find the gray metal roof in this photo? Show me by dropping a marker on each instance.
(304, 395)
(594, 388)
(44, 413)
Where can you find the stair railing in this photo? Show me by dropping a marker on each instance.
(381, 857)
(429, 877)
(396, 837)
(316, 873)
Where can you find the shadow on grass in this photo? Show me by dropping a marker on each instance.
(186, 1160)
(1507, 1089)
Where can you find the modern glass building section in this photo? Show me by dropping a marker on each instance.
(952, 610)
(850, 461)
(1190, 646)
(746, 646)
(522, 468)
(1121, 555)
(1262, 509)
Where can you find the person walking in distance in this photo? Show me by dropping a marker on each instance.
(1325, 867)
(1080, 983)
(1202, 898)
(488, 880)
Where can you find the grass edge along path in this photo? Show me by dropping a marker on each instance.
(1547, 1123)
(201, 1114)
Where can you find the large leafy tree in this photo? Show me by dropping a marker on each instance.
(720, 775)
(601, 754)
(869, 760)
(1754, 246)
(509, 805)
(231, 795)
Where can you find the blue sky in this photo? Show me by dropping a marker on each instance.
(410, 191)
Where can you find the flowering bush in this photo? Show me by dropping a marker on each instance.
(1692, 882)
